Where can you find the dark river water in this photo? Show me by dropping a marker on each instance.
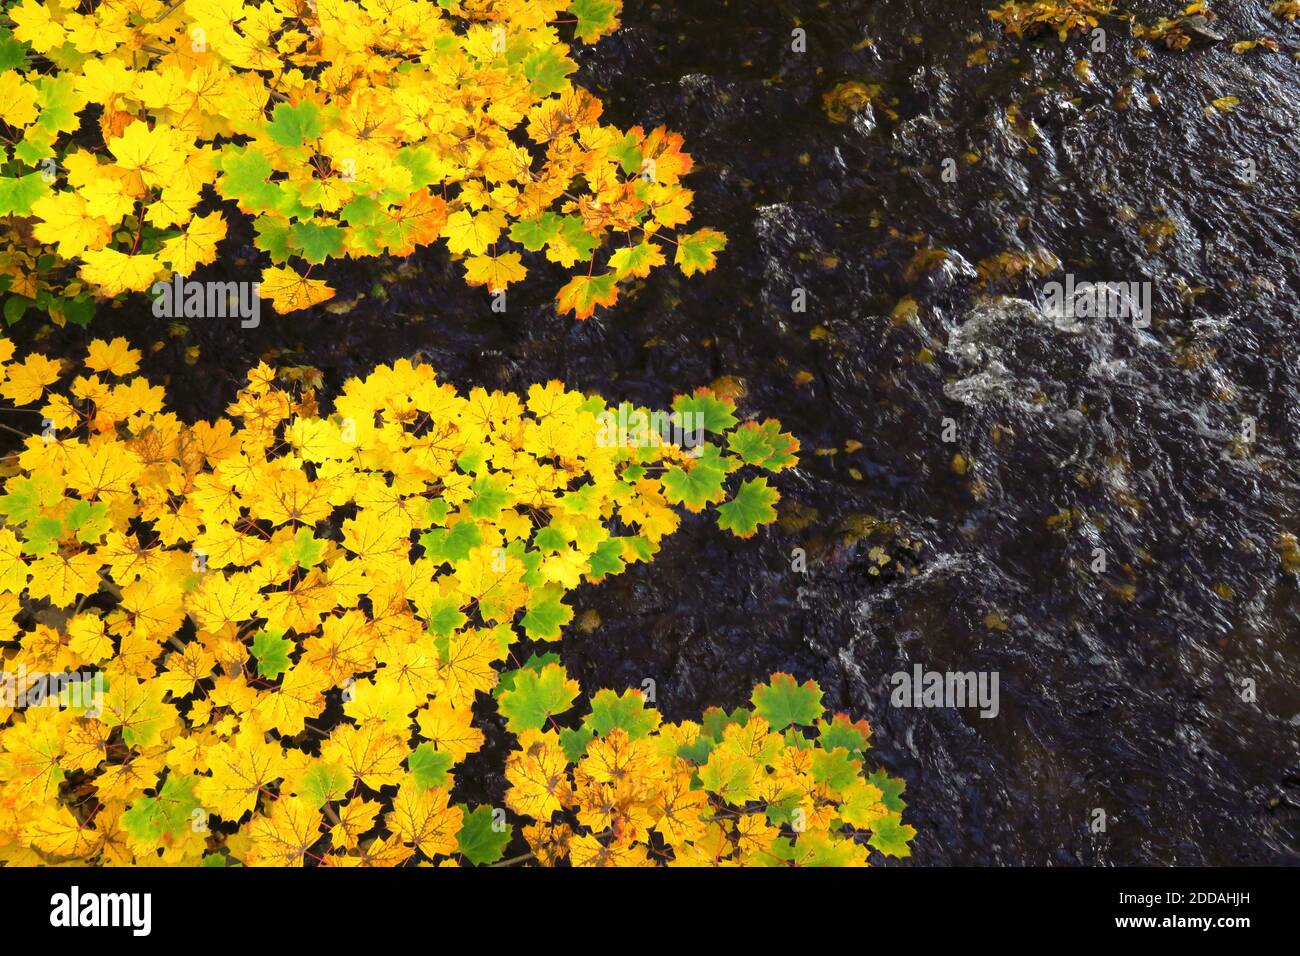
(1161, 688)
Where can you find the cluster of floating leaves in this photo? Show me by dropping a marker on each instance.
(288, 617)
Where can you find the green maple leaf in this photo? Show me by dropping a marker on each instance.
(451, 544)
(150, 820)
(780, 853)
(361, 212)
(535, 663)
(606, 559)
(890, 835)
(716, 720)
(445, 616)
(547, 72)
(891, 787)
(840, 731)
(32, 151)
(315, 242)
(88, 521)
(705, 410)
(642, 549)
(56, 95)
(572, 231)
(295, 125)
(762, 445)
(438, 510)
(472, 460)
(22, 501)
(17, 193)
(534, 234)
(629, 154)
(429, 766)
(292, 202)
(626, 710)
(272, 237)
(835, 768)
(479, 841)
(420, 162)
(244, 175)
(271, 648)
(574, 742)
(751, 507)
(730, 779)
(780, 812)
(491, 494)
(13, 53)
(547, 614)
(701, 485)
(825, 853)
(324, 782)
(782, 701)
(42, 535)
(536, 696)
(550, 538)
(595, 18)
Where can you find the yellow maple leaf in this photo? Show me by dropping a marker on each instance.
(472, 234)
(538, 777)
(289, 291)
(286, 836)
(221, 600)
(117, 272)
(62, 220)
(17, 99)
(64, 578)
(449, 729)
(196, 245)
(26, 382)
(35, 24)
(425, 819)
(495, 272)
(154, 154)
(13, 569)
(115, 357)
(372, 752)
(242, 769)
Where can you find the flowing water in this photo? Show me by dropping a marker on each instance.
(1168, 453)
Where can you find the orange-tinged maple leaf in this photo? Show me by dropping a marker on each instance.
(583, 293)
(419, 221)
